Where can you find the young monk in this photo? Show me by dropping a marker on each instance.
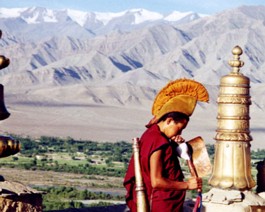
(161, 171)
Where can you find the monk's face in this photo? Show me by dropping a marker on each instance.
(173, 128)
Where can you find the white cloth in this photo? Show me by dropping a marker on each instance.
(183, 151)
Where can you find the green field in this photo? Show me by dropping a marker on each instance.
(84, 157)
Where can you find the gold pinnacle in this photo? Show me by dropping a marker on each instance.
(232, 162)
(236, 63)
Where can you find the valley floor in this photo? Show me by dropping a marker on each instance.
(109, 123)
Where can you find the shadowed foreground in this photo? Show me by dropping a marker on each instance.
(113, 208)
(188, 206)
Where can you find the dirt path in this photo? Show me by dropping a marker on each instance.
(50, 178)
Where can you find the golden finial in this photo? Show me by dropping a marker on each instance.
(4, 62)
(236, 63)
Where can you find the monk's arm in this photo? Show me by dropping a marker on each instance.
(159, 182)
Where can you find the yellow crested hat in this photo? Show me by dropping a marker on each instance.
(180, 95)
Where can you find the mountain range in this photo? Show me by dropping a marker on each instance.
(120, 60)
(90, 24)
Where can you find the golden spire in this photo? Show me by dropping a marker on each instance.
(232, 165)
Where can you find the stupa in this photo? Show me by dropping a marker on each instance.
(231, 180)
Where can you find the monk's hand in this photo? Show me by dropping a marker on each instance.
(178, 139)
(194, 183)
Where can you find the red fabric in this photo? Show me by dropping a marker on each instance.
(129, 184)
(166, 200)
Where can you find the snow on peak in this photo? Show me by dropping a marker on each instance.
(78, 16)
(106, 17)
(50, 16)
(176, 16)
(11, 13)
(36, 15)
(31, 15)
(142, 15)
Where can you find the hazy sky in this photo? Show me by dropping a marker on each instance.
(162, 6)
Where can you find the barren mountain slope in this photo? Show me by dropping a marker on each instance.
(95, 82)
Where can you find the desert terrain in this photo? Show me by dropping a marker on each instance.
(109, 123)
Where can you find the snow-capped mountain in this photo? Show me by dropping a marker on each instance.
(94, 22)
(123, 58)
(35, 15)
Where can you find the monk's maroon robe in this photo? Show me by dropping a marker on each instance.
(165, 200)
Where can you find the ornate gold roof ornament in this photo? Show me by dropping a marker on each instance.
(231, 178)
(232, 168)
